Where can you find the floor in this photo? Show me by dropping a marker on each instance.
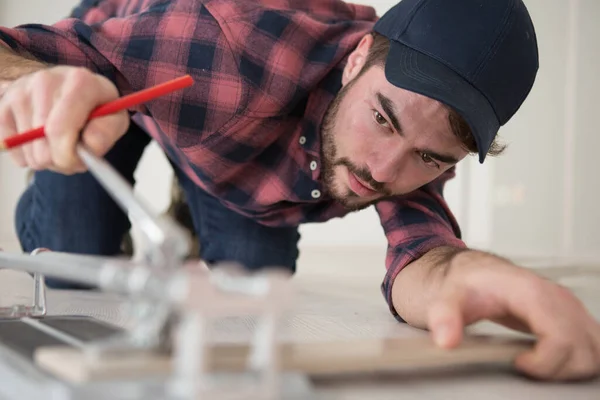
(338, 297)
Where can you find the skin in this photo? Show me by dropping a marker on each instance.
(52, 97)
(443, 291)
(447, 289)
(390, 140)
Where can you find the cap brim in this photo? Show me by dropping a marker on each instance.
(412, 70)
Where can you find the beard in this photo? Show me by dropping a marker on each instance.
(330, 160)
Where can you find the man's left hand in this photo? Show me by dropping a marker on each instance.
(479, 286)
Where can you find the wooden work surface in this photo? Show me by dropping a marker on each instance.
(338, 298)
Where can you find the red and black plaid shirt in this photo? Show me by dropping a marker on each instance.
(248, 131)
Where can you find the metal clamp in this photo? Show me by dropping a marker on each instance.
(172, 304)
(38, 308)
(229, 292)
(164, 242)
(164, 246)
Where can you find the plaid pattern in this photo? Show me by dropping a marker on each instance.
(248, 130)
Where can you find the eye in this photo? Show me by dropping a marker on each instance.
(427, 159)
(380, 119)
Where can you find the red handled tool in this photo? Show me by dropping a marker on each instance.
(111, 107)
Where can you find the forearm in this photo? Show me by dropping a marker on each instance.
(417, 284)
(13, 66)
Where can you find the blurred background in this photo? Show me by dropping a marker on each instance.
(538, 200)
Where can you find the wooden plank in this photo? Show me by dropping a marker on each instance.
(313, 359)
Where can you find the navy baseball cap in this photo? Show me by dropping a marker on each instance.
(478, 57)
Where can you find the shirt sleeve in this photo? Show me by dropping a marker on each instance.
(415, 224)
(163, 41)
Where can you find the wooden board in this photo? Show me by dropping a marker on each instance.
(313, 359)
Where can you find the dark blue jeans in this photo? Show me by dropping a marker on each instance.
(75, 214)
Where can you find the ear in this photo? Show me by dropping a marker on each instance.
(357, 59)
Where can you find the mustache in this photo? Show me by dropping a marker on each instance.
(364, 175)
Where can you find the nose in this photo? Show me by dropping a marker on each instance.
(386, 164)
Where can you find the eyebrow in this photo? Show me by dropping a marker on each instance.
(445, 158)
(390, 110)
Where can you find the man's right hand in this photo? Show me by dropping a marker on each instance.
(60, 99)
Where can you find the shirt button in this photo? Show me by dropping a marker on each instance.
(313, 165)
(302, 140)
(316, 194)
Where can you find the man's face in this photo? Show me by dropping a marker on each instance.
(379, 140)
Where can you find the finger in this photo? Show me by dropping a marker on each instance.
(21, 111)
(101, 134)
(582, 365)
(585, 361)
(445, 319)
(42, 104)
(71, 112)
(528, 307)
(545, 360)
(8, 128)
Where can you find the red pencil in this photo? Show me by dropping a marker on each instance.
(111, 107)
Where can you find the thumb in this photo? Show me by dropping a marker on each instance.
(445, 320)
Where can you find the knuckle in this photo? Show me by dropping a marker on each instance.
(79, 77)
(17, 98)
(40, 79)
(72, 94)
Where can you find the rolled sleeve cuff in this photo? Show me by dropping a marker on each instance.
(399, 257)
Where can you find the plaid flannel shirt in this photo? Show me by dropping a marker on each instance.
(248, 130)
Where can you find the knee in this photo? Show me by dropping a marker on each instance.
(67, 214)
(252, 254)
(23, 212)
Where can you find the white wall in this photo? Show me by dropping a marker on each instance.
(549, 169)
(538, 199)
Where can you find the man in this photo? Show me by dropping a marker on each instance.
(302, 111)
